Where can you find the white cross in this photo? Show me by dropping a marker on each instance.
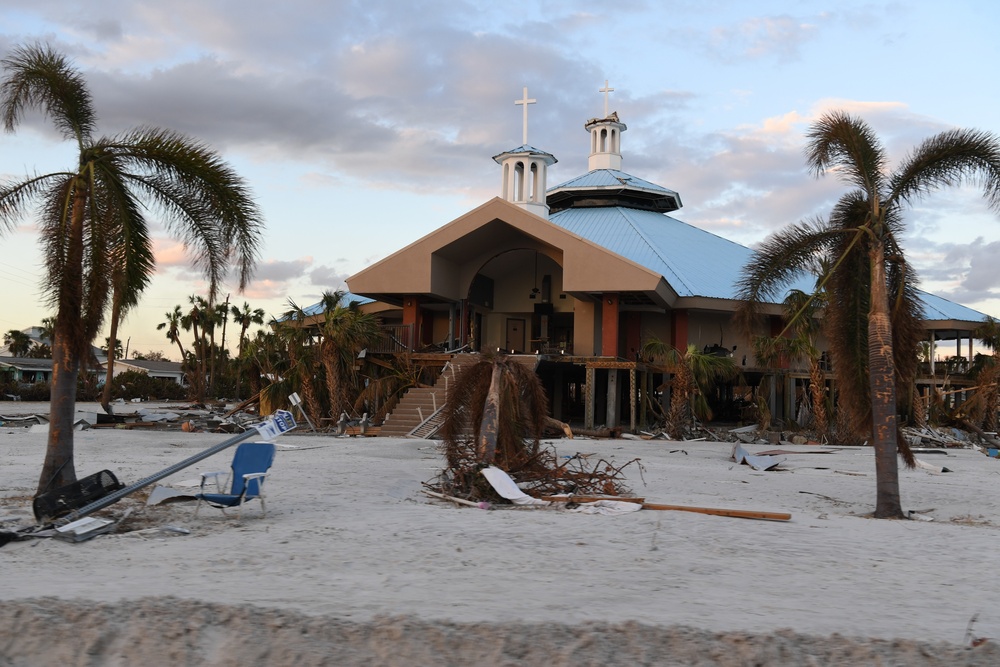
(606, 90)
(525, 101)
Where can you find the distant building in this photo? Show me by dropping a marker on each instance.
(167, 370)
(25, 369)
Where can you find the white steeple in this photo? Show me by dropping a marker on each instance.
(605, 137)
(524, 170)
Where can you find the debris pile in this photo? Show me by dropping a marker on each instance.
(189, 418)
(495, 417)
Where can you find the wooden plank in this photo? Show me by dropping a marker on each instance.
(459, 501)
(743, 514)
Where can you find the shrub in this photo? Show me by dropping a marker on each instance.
(136, 384)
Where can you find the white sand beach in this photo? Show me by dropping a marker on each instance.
(354, 565)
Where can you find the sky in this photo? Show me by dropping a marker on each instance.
(363, 126)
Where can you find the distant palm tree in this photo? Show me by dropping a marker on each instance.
(17, 342)
(93, 218)
(694, 372)
(244, 317)
(345, 331)
(302, 352)
(988, 374)
(197, 321)
(873, 314)
(802, 329)
(173, 326)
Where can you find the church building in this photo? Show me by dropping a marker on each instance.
(578, 276)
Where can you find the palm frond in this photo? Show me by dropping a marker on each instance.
(37, 77)
(848, 145)
(950, 158)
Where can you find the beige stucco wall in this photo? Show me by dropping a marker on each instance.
(585, 328)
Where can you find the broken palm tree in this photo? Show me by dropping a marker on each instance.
(495, 417)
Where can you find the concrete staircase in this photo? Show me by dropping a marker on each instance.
(418, 413)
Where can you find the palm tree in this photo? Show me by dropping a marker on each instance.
(301, 351)
(197, 321)
(18, 343)
(345, 331)
(125, 293)
(988, 373)
(173, 326)
(873, 314)
(93, 218)
(244, 317)
(800, 315)
(694, 372)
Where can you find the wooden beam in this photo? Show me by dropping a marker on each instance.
(743, 514)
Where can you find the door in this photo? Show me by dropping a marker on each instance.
(515, 335)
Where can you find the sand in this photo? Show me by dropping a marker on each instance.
(353, 565)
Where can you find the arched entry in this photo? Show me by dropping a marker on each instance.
(514, 303)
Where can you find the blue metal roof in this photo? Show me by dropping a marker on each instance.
(345, 301)
(695, 262)
(612, 178)
(939, 308)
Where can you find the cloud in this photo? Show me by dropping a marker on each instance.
(328, 278)
(274, 270)
(780, 37)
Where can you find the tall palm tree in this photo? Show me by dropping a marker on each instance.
(123, 298)
(93, 218)
(18, 343)
(873, 313)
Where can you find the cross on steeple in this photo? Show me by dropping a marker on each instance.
(604, 90)
(524, 101)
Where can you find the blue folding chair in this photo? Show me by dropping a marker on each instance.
(249, 471)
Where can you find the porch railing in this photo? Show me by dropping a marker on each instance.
(395, 338)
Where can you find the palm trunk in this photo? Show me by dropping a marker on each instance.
(58, 468)
(681, 390)
(199, 362)
(112, 347)
(881, 368)
(817, 386)
(486, 446)
(334, 381)
(239, 360)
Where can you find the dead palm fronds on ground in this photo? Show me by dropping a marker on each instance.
(495, 415)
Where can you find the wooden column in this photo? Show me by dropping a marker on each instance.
(631, 398)
(588, 410)
(613, 398)
(609, 325)
(411, 318)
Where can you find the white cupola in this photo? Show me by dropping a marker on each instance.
(523, 179)
(605, 137)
